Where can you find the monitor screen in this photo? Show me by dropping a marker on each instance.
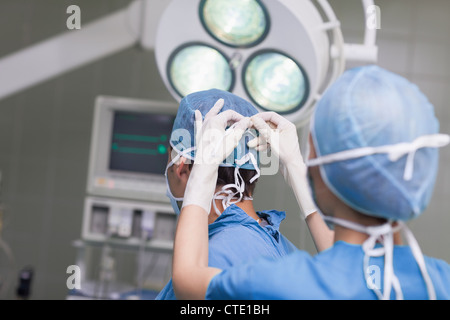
(139, 142)
(129, 144)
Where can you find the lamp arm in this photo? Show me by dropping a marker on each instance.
(340, 52)
(69, 50)
(337, 55)
(368, 50)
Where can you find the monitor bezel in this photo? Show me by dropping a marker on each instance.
(105, 106)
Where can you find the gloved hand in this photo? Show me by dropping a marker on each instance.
(213, 145)
(280, 135)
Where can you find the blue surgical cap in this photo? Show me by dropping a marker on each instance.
(370, 107)
(182, 137)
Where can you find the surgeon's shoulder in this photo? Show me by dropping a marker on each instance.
(439, 265)
(439, 271)
(232, 232)
(263, 278)
(287, 244)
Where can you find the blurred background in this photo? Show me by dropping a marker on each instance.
(46, 131)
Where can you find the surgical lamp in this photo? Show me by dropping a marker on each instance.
(280, 54)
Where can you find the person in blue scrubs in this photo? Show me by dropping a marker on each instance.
(235, 237)
(372, 166)
(237, 233)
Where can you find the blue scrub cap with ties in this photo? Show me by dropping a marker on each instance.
(183, 138)
(376, 138)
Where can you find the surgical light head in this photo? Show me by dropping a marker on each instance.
(276, 82)
(239, 23)
(194, 66)
(279, 54)
(376, 139)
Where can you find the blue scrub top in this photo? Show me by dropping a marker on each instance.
(336, 273)
(236, 238)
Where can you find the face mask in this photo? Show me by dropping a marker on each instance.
(174, 200)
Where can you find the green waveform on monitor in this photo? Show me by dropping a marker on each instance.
(161, 149)
(135, 137)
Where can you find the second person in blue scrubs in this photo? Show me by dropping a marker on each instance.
(237, 233)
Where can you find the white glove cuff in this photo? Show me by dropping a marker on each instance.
(297, 179)
(201, 186)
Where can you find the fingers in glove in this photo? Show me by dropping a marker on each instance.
(257, 143)
(243, 124)
(275, 120)
(198, 125)
(226, 118)
(234, 134)
(271, 116)
(262, 147)
(215, 109)
(263, 128)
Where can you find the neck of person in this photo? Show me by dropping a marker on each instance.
(355, 237)
(245, 205)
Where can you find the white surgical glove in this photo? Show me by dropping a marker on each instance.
(280, 135)
(214, 144)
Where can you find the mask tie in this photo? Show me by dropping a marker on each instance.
(384, 234)
(229, 197)
(169, 194)
(394, 151)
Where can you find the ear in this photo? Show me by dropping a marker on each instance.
(182, 170)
